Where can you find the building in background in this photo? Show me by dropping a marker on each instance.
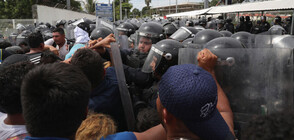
(182, 7)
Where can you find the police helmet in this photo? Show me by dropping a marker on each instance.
(169, 28)
(151, 30)
(85, 26)
(242, 19)
(60, 22)
(161, 56)
(183, 33)
(205, 36)
(244, 37)
(100, 32)
(23, 37)
(126, 28)
(226, 33)
(277, 20)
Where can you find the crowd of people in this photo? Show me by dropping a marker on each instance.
(57, 88)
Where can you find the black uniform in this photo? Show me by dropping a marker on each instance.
(241, 26)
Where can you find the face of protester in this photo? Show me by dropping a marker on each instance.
(144, 44)
(58, 38)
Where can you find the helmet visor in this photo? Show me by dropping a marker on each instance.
(181, 34)
(152, 60)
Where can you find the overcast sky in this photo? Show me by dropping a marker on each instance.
(139, 4)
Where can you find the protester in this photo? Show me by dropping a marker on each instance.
(54, 99)
(59, 42)
(12, 123)
(96, 126)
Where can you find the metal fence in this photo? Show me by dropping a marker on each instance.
(7, 26)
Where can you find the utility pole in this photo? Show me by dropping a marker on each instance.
(113, 9)
(120, 10)
(68, 4)
(205, 4)
(169, 7)
(176, 6)
(126, 13)
(292, 24)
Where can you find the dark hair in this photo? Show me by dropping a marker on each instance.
(91, 63)
(23, 43)
(59, 30)
(10, 83)
(54, 100)
(4, 44)
(35, 40)
(278, 126)
(147, 118)
(24, 46)
(48, 57)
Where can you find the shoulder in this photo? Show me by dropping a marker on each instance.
(121, 136)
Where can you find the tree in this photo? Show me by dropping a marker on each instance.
(90, 6)
(147, 2)
(22, 9)
(136, 12)
(125, 5)
(18, 9)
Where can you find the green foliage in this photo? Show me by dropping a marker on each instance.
(22, 9)
(136, 12)
(16, 9)
(147, 2)
(125, 5)
(90, 6)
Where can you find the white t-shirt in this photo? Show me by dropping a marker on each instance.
(7, 131)
(62, 51)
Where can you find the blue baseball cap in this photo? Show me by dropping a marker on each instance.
(190, 94)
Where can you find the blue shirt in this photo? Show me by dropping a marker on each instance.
(73, 50)
(44, 138)
(105, 98)
(121, 136)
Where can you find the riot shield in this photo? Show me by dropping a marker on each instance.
(277, 41)
(70, 31)
(244, 37)
(188, 56)
(107, 24)
(182, 23)
(123, 42)
(124, 93)
(116, 35)
(257, 81)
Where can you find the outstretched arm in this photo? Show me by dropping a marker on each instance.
(154, 133)
(207, 60)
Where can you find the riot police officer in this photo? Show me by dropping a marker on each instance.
(60, 23)
(230, 26)
(220, 25)
(126, 29)
(248, 24)
(287, 25)
(162, 55)
(256, 29)
(277, 28)
(241, 26)
(148, 34)
(100, 32)
(204, 36)
(169, 28)
(264, 24)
